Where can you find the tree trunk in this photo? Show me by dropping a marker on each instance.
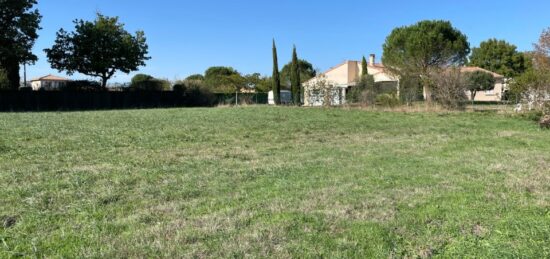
(12, 71)
(427, 91)
(104, 83)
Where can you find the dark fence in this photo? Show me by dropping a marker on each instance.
(241, 98)
(69, 101)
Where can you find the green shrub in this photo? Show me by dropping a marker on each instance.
(179, 87)
(363, 92)
(532, 115)
(387, 100)
(198, 96)
(194, 93)
(4, 81)
(143, 82)
(151, 85)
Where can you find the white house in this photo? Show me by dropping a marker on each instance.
(48, 82)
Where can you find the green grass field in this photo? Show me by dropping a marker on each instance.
(276, 182)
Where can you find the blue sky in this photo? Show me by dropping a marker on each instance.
(186, 37)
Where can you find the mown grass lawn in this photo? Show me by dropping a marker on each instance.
(277, 182)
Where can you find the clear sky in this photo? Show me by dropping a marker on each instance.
(186, 37)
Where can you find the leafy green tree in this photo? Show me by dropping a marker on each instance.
(213, 72)
(533, 85)
(223, 79)
(295, 78)
(19, 24)
(499, 56)
(4, 81)
(276, 79)
(479, 81)
(138, 78)
(423, 48)
(143, 82)
(307, 72)
(195, 77)
(260, 83)
(99, 49)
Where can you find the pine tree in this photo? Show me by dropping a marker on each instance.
(295, 78)
(276, 80)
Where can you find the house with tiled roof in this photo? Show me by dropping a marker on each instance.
(493, 95)
(341, 78)
(48, 82)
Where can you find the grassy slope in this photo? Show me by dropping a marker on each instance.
(273, 181)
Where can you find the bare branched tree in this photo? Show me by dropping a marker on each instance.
(449, 88)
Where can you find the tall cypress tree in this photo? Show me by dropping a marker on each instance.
(276, 80)
(364, 67)
(295, 78)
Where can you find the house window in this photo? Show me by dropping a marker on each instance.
(490, 92)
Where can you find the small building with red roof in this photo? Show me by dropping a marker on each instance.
(49, 82)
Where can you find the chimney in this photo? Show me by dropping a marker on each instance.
(372, 58)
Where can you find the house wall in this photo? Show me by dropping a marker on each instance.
(338, 75)
(46, 84)
(494, 95)
(36, 85)
(341, 77)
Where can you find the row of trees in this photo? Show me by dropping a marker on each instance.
(429, 53)
(294, 73)
(221, 79)
(102, 47)
(97, 48)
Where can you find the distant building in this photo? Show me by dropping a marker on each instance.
(48, 82)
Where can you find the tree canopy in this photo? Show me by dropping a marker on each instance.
(423, 47)
(99, 49)
(221, 79)
(260, 83)
(306, 71)
(499, 56)
(479, 81)
(19, 24)
(217, 71)
(195, 77)
(144, 82)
